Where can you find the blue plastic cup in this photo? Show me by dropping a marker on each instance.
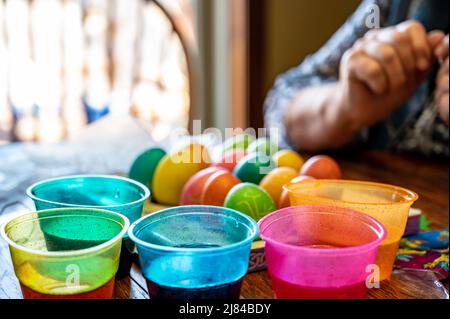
(194, 252)
(113, 193)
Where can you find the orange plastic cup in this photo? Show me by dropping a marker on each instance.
(388, 204)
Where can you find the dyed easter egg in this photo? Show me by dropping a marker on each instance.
(263, 145)
(192, 190)
(288, 158)
(230, 159)
(251, 200)
(174, 170)
(144, 166)
(273, 182)
(284, 201)
(217, 187)
(241, 141)
(253, 167)
(301, 178)
(321, 167)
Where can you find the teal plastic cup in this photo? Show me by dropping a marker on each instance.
(113, 193)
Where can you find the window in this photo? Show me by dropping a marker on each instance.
(67, 63)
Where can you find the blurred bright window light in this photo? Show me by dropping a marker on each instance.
(67, 63)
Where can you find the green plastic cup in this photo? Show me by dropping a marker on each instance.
(118, 194)
(70, 253)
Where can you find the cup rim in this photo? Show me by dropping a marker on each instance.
(414, 196)
(199, 209)
(311, 209)
(68, 253)
(30, 194)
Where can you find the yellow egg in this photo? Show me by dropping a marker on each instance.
(175, 170)
(273, 183)
(287, 158)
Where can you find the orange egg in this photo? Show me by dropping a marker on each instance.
(217, 187)
(273, 182)
(321, 167)
(284, 198)
(192, 190)
(230, 159)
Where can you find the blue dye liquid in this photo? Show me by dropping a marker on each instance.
(221, 292)
(188, 278)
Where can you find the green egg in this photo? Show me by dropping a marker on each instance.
(239, 141)
(251, 200)
(144, 166)
(254, 167)
(263, 145)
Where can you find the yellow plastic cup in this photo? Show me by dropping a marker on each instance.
(70, 253)
(388, 204)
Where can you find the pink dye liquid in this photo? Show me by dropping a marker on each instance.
(286, 290)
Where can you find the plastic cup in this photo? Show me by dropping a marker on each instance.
(320, 252)
(118, 194)
(194, 252)
(70, 253)
(388, 204)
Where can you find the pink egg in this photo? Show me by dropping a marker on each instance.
(230, 159)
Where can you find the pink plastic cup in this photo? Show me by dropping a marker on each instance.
(321, 252)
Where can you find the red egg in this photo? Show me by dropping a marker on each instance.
(284, 198)
(217, 187)
(322, 167)
(230, 159)
(192, 190)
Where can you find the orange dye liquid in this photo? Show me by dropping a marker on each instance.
(104, 292)
(386, 258)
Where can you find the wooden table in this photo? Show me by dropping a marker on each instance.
(125, 139)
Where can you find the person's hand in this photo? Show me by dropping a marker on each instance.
(442, 82)
(384, 69)
(441, 50)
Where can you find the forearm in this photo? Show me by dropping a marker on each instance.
(315, 120)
